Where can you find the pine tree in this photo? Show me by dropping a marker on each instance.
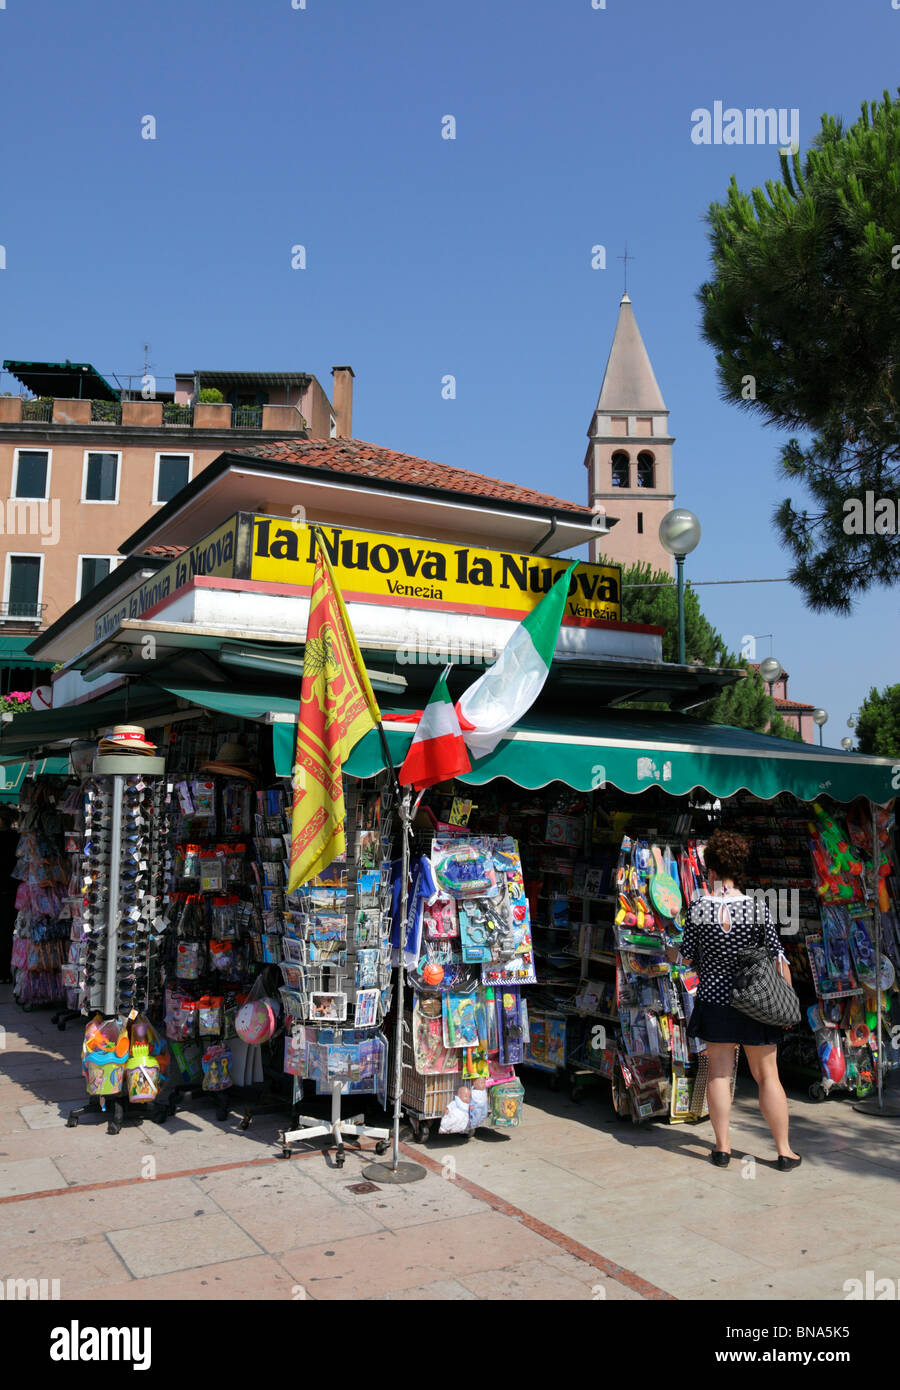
(803, 312)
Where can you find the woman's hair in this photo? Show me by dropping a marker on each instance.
(728, 855)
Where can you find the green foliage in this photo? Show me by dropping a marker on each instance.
(804, 302)
(210, 395)
(878, 725)
(650, 596)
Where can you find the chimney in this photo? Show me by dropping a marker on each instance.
(342, 400)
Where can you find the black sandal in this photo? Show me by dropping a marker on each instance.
(785, 1164)
(719, 1158)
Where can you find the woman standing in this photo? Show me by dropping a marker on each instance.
(720, 925)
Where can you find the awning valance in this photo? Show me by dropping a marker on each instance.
(635, 750)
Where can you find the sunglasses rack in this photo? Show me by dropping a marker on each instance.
(337, 976)
(123, 860)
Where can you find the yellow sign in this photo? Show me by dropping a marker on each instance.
(215, 554)
(385, 569)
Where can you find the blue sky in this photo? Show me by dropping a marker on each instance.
(322, 127)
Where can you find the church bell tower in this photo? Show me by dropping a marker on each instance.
(629, 454)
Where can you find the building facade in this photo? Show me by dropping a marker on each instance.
(84, 462)
(629, 454)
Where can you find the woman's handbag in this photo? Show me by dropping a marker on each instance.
(760, 992)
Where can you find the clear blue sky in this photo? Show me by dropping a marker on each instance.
(322, 126)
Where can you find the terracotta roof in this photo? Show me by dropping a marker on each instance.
(166, 552)
(354, 456)
(791, 704)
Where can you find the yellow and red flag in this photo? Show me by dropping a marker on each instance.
(337, 707)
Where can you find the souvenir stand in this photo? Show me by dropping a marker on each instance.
(608, 873)
(43, 867)
(337, 976)
(123, 888)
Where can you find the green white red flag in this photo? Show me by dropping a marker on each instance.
(437, 751)
(509, 688)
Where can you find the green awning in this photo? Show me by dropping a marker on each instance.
(35, 729)
(13, 652)
(12, 776)
(635, 750)
(242, 705)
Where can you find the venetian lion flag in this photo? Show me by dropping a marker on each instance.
(509, 688)
(337, 707)
(437, 751)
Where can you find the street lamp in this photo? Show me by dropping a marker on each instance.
(846, 744)
(679, 534)
(820, 717)
(771, 671)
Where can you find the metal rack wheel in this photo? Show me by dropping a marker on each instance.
(817, 1091)
(382, 1147)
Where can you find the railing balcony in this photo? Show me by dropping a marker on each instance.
(40, 409)
(15, 611)
(106, 412)
(246, 417)
(177, 414)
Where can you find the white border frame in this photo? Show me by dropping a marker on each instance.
(28, 449)
(98, 501)
(114, 562)
(169, 453)
(7, 578)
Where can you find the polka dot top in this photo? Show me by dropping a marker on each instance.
(713, 949)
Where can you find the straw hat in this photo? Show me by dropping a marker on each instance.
(233, 760)
(125, 738)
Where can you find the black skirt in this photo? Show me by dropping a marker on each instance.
(722, 1023)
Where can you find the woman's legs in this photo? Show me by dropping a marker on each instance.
(763, 1063)
(718, 1091)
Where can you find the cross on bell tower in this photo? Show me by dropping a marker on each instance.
(629, 454)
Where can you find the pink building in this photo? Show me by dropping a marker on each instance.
(794, 712)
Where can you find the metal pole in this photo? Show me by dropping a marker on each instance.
(820, 736)
(679, 561)
(405, 819)
(112, 905)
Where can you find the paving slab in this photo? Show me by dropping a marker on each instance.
(80, 1263)
(368, 1266)
(181, 1245)
(29, 1175)
(255, 1278)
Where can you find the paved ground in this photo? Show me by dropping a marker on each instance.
(572, 1205)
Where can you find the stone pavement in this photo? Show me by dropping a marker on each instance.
(572, 1205)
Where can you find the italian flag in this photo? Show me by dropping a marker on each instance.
(437, 751)
(506, 691)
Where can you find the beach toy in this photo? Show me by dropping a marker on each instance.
(832, 1060)
(255, 1021)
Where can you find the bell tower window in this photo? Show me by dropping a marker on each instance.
(620, 469)
(646, 470)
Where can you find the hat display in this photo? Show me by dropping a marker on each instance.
(232, 760)
(127, 739)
